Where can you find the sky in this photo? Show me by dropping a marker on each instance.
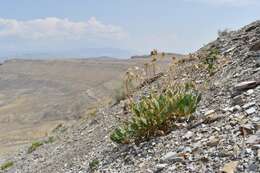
(118, 28)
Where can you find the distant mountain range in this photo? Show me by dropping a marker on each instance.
(80, 53)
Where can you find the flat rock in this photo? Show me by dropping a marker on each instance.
(171, 157)
(245, 85)
(250, 111)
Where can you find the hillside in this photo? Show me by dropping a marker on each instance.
(221, 135)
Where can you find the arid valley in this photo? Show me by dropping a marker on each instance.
(36, 96)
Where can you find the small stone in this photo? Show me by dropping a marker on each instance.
(212, 141)
(257, 62)
(249, 92)
(257, 146)
(238, 100)
(171, 157)
(209, 112)
(250, 111)
(248, 151)
(237, 108)
(160, 167)
(188, 135)
(172, 168)
(257, 69)
(230, 167)
(253, 168)
(187, 150)
(233, 109)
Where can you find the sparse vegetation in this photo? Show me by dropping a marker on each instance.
(119, 94)
(6, 165)
(154, 55)
(34, 146)
(93, 165)
(224, 32)
(50, 139)
(210, 60)
(156, 114)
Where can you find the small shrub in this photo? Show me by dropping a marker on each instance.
(34, 146)
(224, 32)
(119, 94)
(156, 114)
(6, 165)
(50, 139)
(93, 165)
(210, 60)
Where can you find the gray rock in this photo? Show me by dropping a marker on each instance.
(257, 62)
(160, 167)
(245, 85)
(171, 157)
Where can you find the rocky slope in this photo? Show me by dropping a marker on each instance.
(223, 136)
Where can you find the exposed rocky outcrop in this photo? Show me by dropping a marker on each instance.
(223, 136)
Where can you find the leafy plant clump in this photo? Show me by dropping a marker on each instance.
(34, 146)
(211, 60)
(93, 165)
(155, 115)
(6, 165)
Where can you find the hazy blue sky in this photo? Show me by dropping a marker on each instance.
(134, 26)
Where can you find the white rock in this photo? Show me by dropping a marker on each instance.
(171, 156)
(209, 112)
(160, 167)
(249, 92)
(188, 135)
(250, 111)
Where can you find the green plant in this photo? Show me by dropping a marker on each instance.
(211, 59)
(6, 165)
(34, 146)
(93, 165)
(156, 114)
